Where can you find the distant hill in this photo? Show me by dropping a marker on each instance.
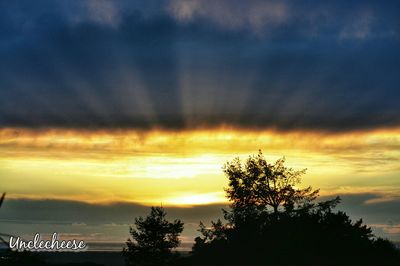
(104, 258)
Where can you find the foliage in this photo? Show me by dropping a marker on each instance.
(260, 185)
(153, 240)
(20, 258)
(272, 222)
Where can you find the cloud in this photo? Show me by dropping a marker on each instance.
(103, 12)
(388, 228)
(92, 222)
(359, 28)
(355, 20)
(253, 15)
(178, 64)
(382, 216)
(113, 220)
(372, 210)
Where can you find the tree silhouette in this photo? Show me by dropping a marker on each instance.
(153, 240)
(260, 185)
(2, 198)
(272, 222)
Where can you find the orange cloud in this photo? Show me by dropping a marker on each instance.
(184, 167)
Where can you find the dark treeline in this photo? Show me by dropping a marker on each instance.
(270, 222)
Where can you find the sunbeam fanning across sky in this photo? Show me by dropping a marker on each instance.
(110, 107)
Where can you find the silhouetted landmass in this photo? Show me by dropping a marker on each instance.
(84, 258)
(272, 222)
(87, 258)
(316, 236)
(13, 258)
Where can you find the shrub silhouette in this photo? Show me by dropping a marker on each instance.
(271, 222)
(23, 258)
(153, 240)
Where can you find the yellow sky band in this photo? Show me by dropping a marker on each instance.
(184, 167)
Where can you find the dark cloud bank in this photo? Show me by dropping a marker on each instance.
(111, 222)
(330, 65)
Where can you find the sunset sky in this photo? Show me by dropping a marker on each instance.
(108, 107)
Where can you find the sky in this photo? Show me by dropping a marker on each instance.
(109, 107)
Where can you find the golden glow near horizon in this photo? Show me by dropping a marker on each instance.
(184, 168)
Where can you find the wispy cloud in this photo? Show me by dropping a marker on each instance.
(103, 12)
(256, 16)
(360, 27)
